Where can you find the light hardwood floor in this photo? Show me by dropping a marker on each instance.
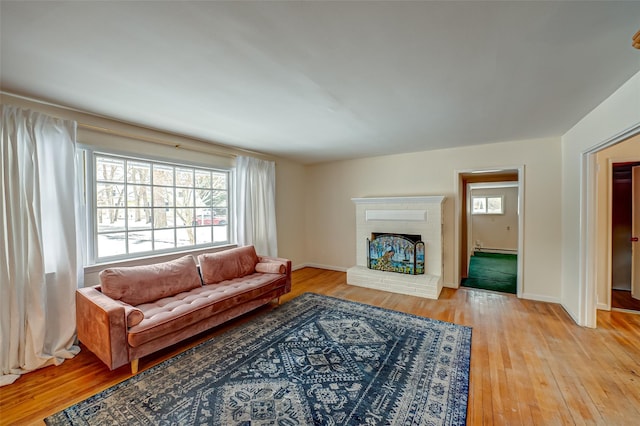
(530, 363)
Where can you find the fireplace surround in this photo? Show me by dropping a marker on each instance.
(418, 216)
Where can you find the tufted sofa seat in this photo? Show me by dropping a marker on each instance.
(136, 311)
(187, 308)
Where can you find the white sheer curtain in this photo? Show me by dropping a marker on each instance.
(256, 204)
(40, 260)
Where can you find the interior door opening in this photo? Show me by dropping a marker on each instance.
(625, 252)
(490, 237)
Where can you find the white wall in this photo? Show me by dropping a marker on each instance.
(617, 115)
(291, 193)
(331, 214)
(316, 222)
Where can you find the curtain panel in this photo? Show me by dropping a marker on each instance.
(256, 204)
(41, 258)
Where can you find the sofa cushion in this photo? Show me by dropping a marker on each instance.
(271, 268)
(165, 316)
(227, 265)
(142, 284)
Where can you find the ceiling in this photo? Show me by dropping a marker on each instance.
(323, 81)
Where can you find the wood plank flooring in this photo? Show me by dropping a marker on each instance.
(530, 363)
(622, 299)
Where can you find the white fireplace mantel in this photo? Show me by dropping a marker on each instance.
(418, 215)
(400, 200)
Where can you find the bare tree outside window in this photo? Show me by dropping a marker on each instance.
(487, 205)
(148, 206)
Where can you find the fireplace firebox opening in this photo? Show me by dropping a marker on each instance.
(401, 253)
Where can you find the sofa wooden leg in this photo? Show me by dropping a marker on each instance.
(134, 367)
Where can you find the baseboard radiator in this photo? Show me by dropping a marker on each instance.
(495, 250)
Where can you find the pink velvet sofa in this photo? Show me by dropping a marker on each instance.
(138, 310)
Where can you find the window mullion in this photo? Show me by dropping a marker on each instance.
(126, 225)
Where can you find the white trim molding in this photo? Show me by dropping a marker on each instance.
(399, 200)
(460, 190)
(587, 298)
(319, 266)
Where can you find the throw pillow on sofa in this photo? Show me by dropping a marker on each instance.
(271, 268)
(227, 264)
(147, 283)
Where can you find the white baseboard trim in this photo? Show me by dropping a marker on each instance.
(621, 288)
(539, 298)
(626, 311)
(319, 266)
(528, 296)
(603, 307)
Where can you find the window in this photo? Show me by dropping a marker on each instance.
(487, 205)
(144, 207)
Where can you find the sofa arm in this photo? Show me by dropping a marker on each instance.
(102, 326)
(283, 261)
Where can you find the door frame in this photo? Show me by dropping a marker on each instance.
(588, 255)
(609, 234)
(635, 230)
(460, 201)
(483, 185)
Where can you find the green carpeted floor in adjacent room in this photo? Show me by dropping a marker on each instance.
(492, 271)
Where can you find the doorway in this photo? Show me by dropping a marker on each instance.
(600, 257)
(622, 203)
(489, 229)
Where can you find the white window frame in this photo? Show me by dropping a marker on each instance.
(93, 258)
(486, 198)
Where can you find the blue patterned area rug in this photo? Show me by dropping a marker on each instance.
(314, 360)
